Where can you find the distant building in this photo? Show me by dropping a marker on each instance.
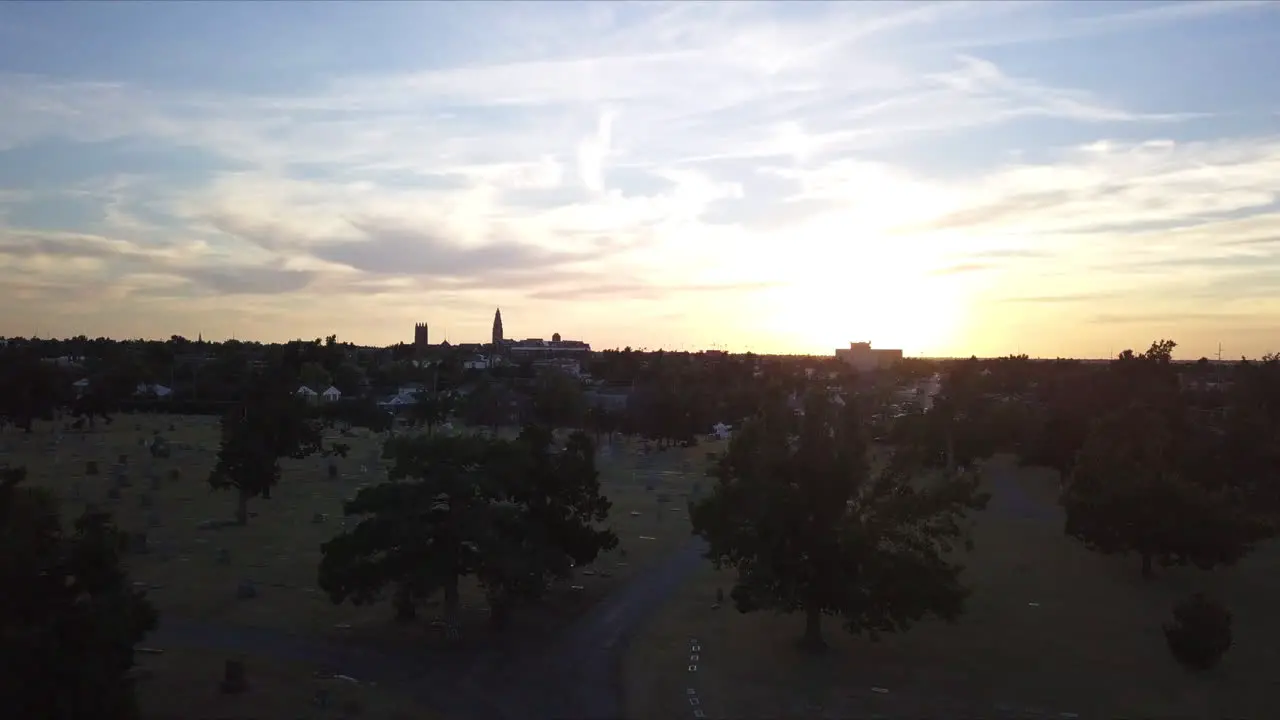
(863, 358)
(421, 341)
(568, 366)
(497, 329)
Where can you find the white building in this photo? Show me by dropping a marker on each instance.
(333, 394)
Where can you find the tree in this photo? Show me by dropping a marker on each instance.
(420, 536)
(314, 376)
(29, 389)
(514, 514)
(558, 400)
(268, 424)
(69, 616)
(431, 409)
(488, 404)
(798, 512)
(1134, 489)
(547, 520)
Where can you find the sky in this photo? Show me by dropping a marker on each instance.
(953, 178)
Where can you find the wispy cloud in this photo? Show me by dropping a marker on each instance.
(565, 159)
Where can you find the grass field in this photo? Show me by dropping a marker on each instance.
(1052, 631)
(181, 684)
(194, 573)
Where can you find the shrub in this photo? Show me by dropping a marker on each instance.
(1200, 633)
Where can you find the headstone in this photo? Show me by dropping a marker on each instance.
(153, 520)
(91, 467)
(154, 481)
(174, 474)
(172, 428)
(719, 595)
(333, 470)
(122, 460)
(144, 500)
(224, 556)
(138, 543)
(246, 590)
(120, 476)
(113, 493)
(233, 678)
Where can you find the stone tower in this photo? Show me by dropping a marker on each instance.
(420, 339)
(497, 329)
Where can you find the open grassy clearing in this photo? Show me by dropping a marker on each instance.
(1051, 629)
(195, 573)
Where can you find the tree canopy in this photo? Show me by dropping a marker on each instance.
(515, 514)
(811, 527)
(69, 617)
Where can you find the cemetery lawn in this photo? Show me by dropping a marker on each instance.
(183, 685)
(1052, 631)
(194, 573)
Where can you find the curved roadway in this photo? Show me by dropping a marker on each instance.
(577, 677)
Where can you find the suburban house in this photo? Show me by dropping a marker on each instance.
(307, 394)
(333, 394)
(399, 401)
(568, 366)
(476, 362)
(152, 390)
(613, 399)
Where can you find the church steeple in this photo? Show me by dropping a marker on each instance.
(497, 328)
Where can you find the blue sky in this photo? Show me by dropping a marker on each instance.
(950, 178)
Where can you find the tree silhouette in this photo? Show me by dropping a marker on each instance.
(69, 617)
(515, 514)
(798, 512)
(268, 424)
(1134, 489)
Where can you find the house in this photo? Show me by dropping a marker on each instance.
(333, 394)
(721, 431)
(476, 362)
(80, 386)
(399, 401)
(411, 388)
(152, 389)
(568, 366)
(610, 399)
(307, 394)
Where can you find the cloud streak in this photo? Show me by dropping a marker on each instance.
(572, 159)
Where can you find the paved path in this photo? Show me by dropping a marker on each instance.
(578, 677)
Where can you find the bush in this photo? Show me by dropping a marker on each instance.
(1200, 633)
